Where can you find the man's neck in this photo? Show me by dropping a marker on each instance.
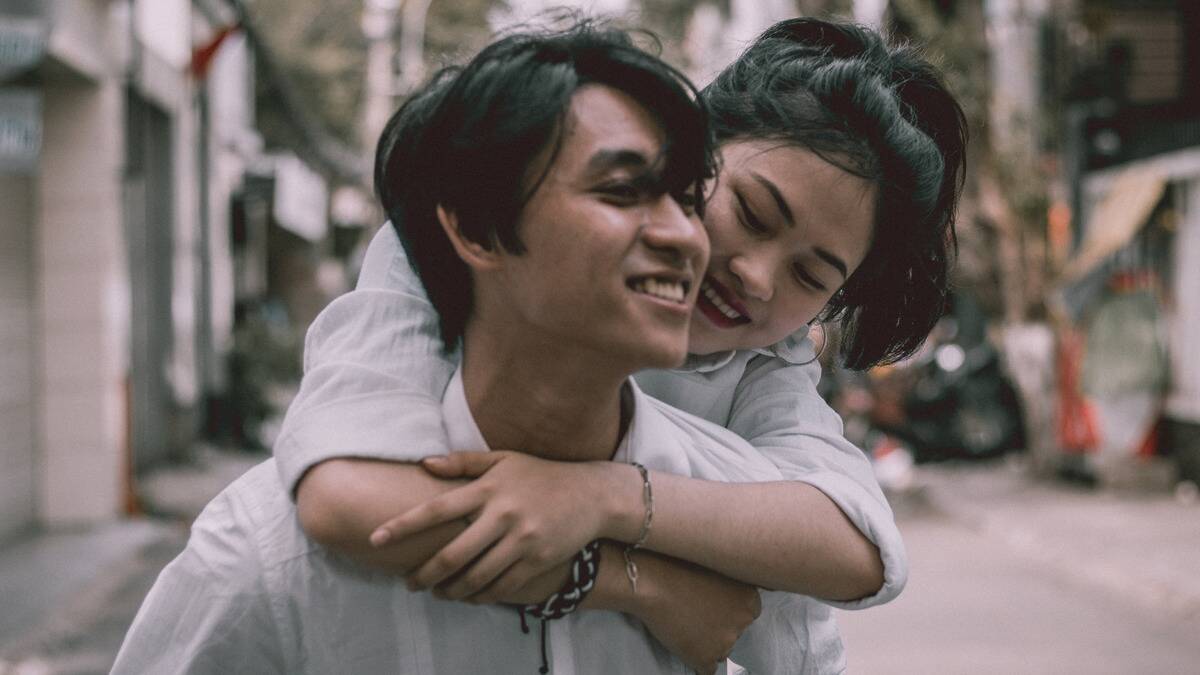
(543, 399)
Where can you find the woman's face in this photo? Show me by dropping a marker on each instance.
(787, 229)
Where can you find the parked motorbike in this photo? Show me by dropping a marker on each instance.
(952, 400)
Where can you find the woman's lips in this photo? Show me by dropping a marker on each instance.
(717, 305)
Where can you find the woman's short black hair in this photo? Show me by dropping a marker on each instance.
(475, 138)
(881, 112)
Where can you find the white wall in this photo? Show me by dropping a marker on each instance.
(1184, 399)
(165, 27)
(84, 301)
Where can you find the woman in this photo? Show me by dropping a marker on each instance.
(842, 161)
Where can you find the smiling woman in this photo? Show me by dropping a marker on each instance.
(787, 228)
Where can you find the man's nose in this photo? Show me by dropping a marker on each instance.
(754, 274)
(676, 233)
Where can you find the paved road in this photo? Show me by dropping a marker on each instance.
(977, 606)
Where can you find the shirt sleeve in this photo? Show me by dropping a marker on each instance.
(208, 612)
(374, 373)
(777, 408)
(793, 635)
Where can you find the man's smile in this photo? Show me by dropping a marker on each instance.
(672, 290)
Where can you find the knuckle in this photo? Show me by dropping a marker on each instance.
(538, 557)
(443, 563)
(510, 517)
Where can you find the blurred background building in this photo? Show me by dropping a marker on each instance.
(184, 184)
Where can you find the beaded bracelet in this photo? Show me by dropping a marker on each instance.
(631, 569)
(584, 566)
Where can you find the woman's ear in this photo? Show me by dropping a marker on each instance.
(474, 254)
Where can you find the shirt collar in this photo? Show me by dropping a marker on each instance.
(795, 349)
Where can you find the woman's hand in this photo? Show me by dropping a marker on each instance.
(525, 516)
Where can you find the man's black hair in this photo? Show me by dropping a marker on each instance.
(880, 112)
(475, 138)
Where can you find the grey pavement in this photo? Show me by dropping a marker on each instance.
(69, 595)
(1140, 545)
(1011, 575)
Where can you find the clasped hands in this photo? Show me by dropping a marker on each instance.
(525, 519)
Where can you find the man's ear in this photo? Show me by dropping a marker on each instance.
(475, 255)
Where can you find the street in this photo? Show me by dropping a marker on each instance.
(975, 605)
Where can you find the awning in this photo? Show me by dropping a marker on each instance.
(301, 203)
(1116, 220)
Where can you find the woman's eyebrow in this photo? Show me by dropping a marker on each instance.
(780, 202)
(832, 259)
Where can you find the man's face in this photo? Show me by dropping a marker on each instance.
(610, 267)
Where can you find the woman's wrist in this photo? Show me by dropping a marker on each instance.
(623, 503)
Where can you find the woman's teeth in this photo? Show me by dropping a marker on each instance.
(711, 294)
(667, 290)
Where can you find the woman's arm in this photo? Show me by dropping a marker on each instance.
(781, 535)
(785, 535)
(777, 408)
(374, 373)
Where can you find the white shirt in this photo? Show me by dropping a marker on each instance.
(252, 594)
(375, 371)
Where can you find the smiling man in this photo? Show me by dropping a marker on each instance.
(548, 211)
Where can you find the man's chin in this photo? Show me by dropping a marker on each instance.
(667, 358)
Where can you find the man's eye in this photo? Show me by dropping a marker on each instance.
(625, 192)
(687, 200)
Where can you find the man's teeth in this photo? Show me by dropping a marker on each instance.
(667, 290)
(715, 299)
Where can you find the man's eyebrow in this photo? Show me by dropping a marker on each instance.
(606, 160)
(832, 259)
(780, 202)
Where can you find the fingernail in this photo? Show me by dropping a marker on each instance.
(380, 537)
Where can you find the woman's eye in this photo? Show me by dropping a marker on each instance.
(749, 220)
(803, 277)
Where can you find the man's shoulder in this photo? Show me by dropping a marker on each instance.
(709, 451)
(252, 517)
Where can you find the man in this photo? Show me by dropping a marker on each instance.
(544, 204)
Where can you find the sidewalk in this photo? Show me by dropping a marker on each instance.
(1143, 548)
(69, 595)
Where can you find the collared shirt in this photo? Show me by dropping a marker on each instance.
(375, 369)
(251, 593)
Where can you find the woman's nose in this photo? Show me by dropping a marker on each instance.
(754, 274)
